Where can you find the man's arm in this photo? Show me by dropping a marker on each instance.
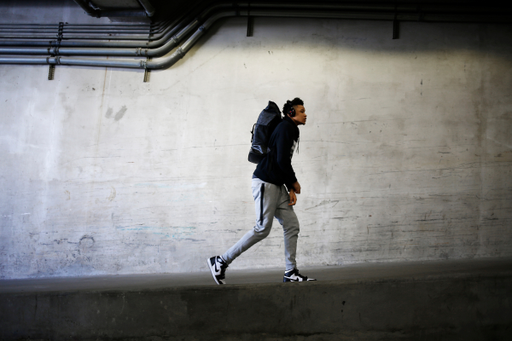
(284, 145)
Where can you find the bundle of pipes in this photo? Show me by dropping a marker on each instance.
(155, 41)
(77, 32)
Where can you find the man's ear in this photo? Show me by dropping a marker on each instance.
(292, 112)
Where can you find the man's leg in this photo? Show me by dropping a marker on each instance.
(288, 219)
(266, 198)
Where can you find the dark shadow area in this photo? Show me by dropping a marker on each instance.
(371, 36)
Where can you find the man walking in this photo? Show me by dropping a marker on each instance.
(272, 198)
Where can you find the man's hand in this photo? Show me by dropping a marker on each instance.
(293, 198)
(296, 187)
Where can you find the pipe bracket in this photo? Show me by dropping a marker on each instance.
(60, 35)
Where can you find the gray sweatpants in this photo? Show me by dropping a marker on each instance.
(270, 201)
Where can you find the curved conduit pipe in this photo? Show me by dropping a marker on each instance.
(154, 41)
(155, 48)
(103, 32)
(10, 32)
(86, 32)
(185, 47)
(172, 42)
(158, 40)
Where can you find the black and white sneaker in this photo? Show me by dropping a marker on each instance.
(295, 276)
(218, 268)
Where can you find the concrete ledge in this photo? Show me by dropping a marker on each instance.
(462, 306)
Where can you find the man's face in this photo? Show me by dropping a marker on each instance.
(300, 115)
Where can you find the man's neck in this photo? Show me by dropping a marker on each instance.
(292, 120)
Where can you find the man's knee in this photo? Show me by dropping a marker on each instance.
(262, 231)
(291, 225)
(292, 229)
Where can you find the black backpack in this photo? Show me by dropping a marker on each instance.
(268, 120)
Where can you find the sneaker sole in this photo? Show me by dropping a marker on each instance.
(288, 280)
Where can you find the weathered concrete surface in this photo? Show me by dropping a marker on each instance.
(407, 152)
(427, 301)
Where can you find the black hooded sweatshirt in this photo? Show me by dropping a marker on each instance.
(276, 166)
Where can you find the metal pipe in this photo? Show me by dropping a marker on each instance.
(154, 41)
(44, 33)
(59, 50)
(69, 51)
(140, 50)
(166, 62)
(76, 62)
(69, 28)
(137, 51)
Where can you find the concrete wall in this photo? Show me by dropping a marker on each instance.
(444, 308)
(406, 154)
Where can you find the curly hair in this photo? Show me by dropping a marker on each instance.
(288, 106)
